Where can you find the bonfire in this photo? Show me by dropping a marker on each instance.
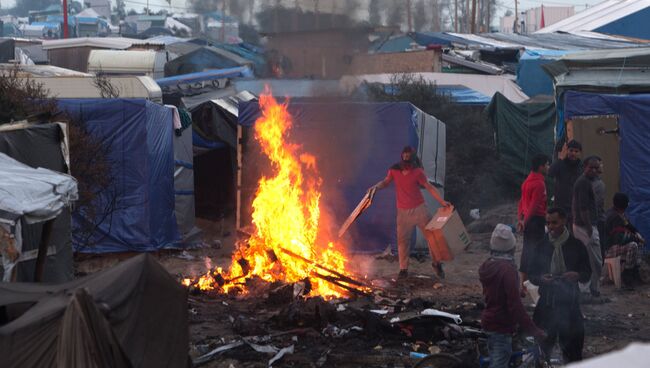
(285, 244)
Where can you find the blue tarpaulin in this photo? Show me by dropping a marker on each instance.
(634, 132)
(140, 199)
(531, 77)
(354, 145)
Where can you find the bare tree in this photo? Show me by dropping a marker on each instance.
(106, 88)
(99, 196)
(374, 15)
(395, 13)
(419, 16)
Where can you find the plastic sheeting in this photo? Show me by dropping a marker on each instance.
(39, 145)
(37, 195)
(131, 315)
(531, 77)
(634, 132)
(522, 131)
(139, 135)
(354, 145)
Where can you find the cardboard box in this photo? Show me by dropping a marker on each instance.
(446, 234)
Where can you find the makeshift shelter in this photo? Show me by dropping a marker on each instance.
(522, 130)
(214, 139)
(35, 190)
(531, 77)
(354, 145)
(131, 315)
(600, 71)
(139, 205)
(202, 59)
(616, 128)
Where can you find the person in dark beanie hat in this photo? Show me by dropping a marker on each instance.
(504, 311)
(409, 179)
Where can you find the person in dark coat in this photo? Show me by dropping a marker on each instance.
(504, 312)
(562, 262)
(565, 171)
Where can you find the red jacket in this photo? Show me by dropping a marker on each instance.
(533, 197)
(503, 308)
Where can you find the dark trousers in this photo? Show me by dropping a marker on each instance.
(534, 231)
(564, 325)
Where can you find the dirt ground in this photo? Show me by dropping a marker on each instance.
(617, 319)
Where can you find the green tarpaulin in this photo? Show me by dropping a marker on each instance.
(522, 130)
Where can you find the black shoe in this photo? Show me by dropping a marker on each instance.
(403, 274)
(437, 269)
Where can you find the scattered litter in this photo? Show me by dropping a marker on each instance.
(422, 276)
(378, 347)
(475, 213)
(333, 331)
(434, 312)
(224, 303)
(294, 338)
(434, 350)
(437, 286)
(186, 256)
(209, 356)
(340, 308)
(269, 349)
(323, 359)
(193, 311)
(280, 354)
(379, 311)
(416, 355)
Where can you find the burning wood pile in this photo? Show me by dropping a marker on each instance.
(286, 243)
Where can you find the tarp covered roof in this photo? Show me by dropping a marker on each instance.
(131, 315)
(621, 70)
(117, 43)
(488, 85)
(202, 59)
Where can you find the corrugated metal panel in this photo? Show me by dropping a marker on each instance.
(597, 16)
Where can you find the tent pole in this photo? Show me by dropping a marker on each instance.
(46, 235)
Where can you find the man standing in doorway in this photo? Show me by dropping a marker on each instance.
(585, 219)
(532, 212)
(566, 170)
(409, 178)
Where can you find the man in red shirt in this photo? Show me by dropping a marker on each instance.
(532, 211)
(409, 178)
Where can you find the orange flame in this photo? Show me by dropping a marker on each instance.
(286, 216)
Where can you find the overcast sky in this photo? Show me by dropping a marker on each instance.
(181, 6)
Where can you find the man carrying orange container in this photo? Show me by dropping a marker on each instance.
(409, 178)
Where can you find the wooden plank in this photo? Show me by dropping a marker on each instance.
(366, 201)
(239, 168)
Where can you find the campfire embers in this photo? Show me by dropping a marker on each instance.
(215, 279)
(286, 243)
